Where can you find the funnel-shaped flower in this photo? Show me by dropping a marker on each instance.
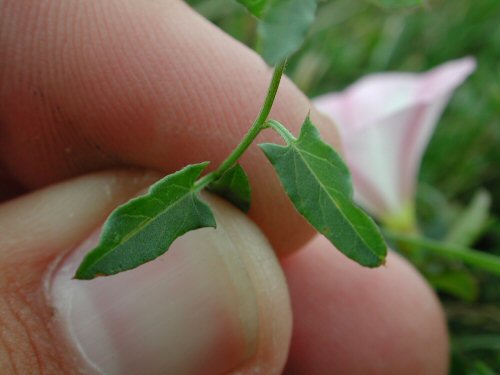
(386, 121)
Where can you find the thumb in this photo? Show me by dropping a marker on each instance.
(203, 307)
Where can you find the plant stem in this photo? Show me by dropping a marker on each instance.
(485, 261)
(255, 129)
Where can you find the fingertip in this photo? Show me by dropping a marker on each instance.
(352, 320)
(217, 303)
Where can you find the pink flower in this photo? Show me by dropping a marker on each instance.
(386, 121)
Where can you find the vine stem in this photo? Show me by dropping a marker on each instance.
(257, 126)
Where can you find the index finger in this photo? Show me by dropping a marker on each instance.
(92, 85)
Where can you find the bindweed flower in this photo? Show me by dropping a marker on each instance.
(385, 121)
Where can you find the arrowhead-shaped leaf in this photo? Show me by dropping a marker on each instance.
(145, 227)
(283, 28)
(233, 185)
(319, 185)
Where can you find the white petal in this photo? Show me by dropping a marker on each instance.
(386, 121)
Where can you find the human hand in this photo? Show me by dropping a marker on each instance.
(96, 86)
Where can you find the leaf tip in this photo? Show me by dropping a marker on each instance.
(309, 129)
(83, 274)
(87, 271)
(203, 164)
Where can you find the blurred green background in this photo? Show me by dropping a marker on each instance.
(460, 175)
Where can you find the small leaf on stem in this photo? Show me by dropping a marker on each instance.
(283, 27)
(319, 185)
(233, 186)
(145, 227)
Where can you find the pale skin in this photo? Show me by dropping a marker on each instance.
(88, 89)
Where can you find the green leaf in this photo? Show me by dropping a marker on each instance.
(233, 185)
(283, 28)
(472, 221)
(460, 284)
(319, 185)
(483, 369)
(398, 4)
(256, 7)
(477, 342)
(145, 227)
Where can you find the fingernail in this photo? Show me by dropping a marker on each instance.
(187, 312)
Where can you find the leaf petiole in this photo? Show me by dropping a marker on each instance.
(281, 130)
(257, 126)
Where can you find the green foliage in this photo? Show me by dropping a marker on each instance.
(144, 228)
(480, 259)
(233, 186)
(459, 283)
(473, 345)
(283, 28)
(282, 25)
(319, 185)
(483, 369)
(397, 4)
(256, 7)
(471, 222)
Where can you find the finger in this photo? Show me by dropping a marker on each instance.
(352, 320)
(92, 85)
(203, 307)
(8, 188)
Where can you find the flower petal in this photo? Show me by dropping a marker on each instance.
(386, 121)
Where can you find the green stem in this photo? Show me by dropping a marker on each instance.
(281, 130)
(485, 261)
(255, 129)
